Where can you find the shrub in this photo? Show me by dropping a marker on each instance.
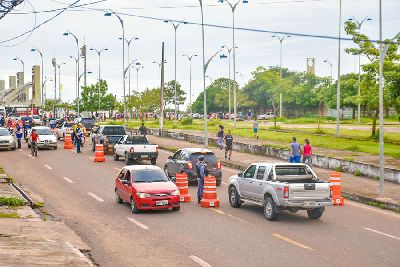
(275, 128)
(320, 131)
(187, 121)
(11, 201)
(357, 173)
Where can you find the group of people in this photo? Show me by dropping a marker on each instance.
(296, 151)
(227, 139)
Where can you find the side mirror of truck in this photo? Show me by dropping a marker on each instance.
(170, 157)
(240, 174)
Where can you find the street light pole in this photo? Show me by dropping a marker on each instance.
(175, 25)
(190, 81)
(137, 77)
(22, 62)
(204, 77)
(77, 72)
(229, 75)
(330, 64)
(281, 38)
(128, 42)
(76, 75)
(108, 14)
(42, 71)
(359, 24)
(233, 7)
(99, 54)
(338, 81)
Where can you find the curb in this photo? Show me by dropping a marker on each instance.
(351, 196)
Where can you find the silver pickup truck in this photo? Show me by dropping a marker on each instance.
(280, 186)
(135, 148)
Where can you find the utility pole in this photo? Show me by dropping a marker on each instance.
(54, 62)
(162, 91)
(83, 50)
(338, 81)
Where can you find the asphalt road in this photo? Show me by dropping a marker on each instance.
(81, 193)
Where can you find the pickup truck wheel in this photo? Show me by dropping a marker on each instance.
(127, 160)
(134, 208)
(234, 198)
(315, 213)
(153, 161)
(270, 209)
(116, 157)
(117, 197)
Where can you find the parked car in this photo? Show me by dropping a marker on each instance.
(266, 116)
(65, 128)
(6, 139)
(134, 148)
(47, 139)
(184, 160)
(146, 187)
(108, 135)
(280, 186)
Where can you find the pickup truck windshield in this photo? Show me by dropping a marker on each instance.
(149, 176)
(136, 140)
(114, 130)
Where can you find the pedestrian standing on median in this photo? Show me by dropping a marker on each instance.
(220, 136)
(228, 145)
(307, 153)
(255, 128)
(201, 169)
(19, 134)
(295, 149)
(78, 138)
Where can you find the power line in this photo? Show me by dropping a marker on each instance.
(7, 5)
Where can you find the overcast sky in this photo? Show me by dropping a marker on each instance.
(255, 48)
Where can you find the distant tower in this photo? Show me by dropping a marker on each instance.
(20, 79)
(2, 85)
(311, 66)
(12, 82)
(36, 86)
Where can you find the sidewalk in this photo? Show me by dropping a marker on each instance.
(27, 240)
(390, 162)
(362, 189)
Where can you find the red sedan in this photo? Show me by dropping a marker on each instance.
(146, 187)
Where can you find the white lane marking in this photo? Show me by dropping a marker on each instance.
(141, 225)
(381, 233)
(32, 157)
(117, 169)
(224, 183)
(68, 180)
(219, 211)
(199, 261)
(364, 206)
(95, 197)
(21, 150)
(48, 167)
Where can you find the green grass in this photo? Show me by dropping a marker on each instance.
(11, 202)
(8, 215)
(328, 141)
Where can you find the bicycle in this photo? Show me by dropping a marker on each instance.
(34, 149)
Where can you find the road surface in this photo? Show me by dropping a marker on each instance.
(81, 193)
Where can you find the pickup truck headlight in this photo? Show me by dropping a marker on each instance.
(143, 195)
(10, 141)
(175, 193)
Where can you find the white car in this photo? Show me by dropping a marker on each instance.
(66, 128)
(266, 116)
(36, 119)
(6, 139)
(46, 138)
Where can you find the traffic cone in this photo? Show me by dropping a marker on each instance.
(99, 154)
(210, 193)
(336, 189)
(68, 142)
(183, 186)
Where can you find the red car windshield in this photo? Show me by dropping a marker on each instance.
(149, 176)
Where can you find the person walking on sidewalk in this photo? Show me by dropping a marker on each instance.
(307, 153)
(294, 151)
(201, 169)
(255, 128)
(220, 136)
(228, 145)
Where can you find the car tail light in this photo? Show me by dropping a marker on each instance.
(286, 192)
(189, 165)
(157, 149)
(330, 192)
(132, 150)
(219, 165)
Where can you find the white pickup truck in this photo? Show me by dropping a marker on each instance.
(134, 148)
(280, 186)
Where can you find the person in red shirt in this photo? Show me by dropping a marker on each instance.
(307, 153)
(34, 139)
